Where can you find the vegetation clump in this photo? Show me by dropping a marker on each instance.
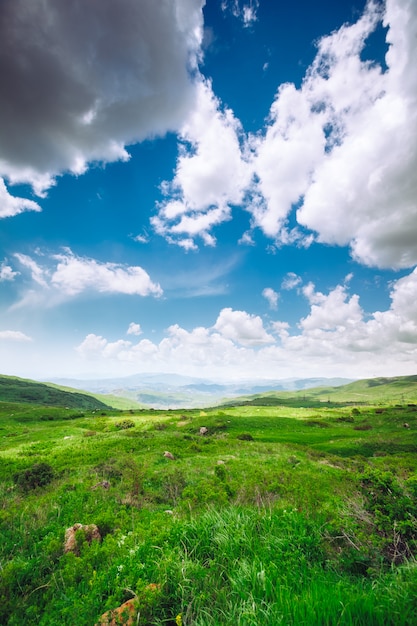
(125, 424)
(245, 437)
(38, 475)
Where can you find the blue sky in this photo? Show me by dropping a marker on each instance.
(223, 189)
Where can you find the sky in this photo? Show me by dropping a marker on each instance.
(223, 189)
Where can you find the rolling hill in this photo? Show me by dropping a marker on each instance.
(13, 389)
(398, 389)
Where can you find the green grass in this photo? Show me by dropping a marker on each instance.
(399, 389)
(13, 389)
(278, 515)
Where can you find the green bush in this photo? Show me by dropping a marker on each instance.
(125, 424)
(38, 475)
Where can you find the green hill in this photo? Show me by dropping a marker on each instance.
(14, 389)
(398, 389)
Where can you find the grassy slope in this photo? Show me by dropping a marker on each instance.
(394, 390)
(24, 390)
(13, 389)
(307, 519)
(115, 402)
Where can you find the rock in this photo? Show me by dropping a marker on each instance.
(405, 425)
(104, 483)
(168, 455)
(124, 615)
(203, 430)
(127, 613)
(91, 534)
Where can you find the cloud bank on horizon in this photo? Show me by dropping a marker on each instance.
(333, 165)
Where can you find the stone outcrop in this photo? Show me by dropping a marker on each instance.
(124, 615)
(127, 613)
(91, 534)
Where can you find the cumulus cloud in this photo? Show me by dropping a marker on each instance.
(336, 338)
(6, 272)
(83, 80)
(92, 346)
(331, 311)
(243, 328)
(340, 151)
(134, 329)
(179, 351)
(212, 174)
(344, 147)
(271, 296)
(291, 281)
(68, 275)
(13, 335)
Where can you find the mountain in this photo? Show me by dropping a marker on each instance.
(176, 391)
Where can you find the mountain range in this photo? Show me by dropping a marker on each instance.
(162, 391)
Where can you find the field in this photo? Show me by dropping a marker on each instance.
(292, 515)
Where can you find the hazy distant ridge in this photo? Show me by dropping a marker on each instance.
(176, 391)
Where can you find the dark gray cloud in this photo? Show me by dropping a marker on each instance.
(82, 79)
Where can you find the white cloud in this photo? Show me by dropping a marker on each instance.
(12, 205)
(342, 148)
(291, 281)
(212, 173)
(271, 296)
(6, 272)
(246, 239)
(67, 275)
(134, 329)
(92, 347)
(336, 338)
(73, 275)
(246, 11)
(38, 273)
(13, 335)
(141, 238)
(84, 80)
(344, 145)
(331, 312)
(241, 327)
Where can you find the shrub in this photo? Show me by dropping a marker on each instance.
(393, 508)
(38, 475)
(125, 424)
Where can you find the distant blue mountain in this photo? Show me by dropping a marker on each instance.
(176, 391)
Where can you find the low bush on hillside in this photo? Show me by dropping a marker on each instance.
(38, 475)
(125, 424)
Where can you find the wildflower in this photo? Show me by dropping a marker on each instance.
(178, 619)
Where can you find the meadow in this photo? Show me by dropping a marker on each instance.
(272, 514)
